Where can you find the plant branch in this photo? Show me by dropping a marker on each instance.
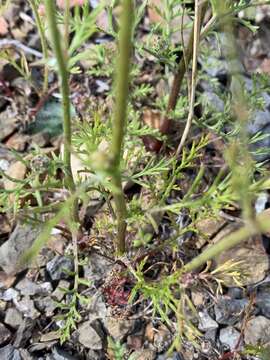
(182, 68)
(121, 99)
(262, 224)
(7, 43)
(62, 60)
(196, 41)
(63, 74)
(43, 43)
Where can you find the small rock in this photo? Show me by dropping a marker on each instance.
(162, 339)
(211, 335)
(13, 318)
(88, 337)
(212, 101)
(28, 287)
(261, 202)
(135, 342)
(206, 322)
(5, 228)
(189, 353)
(44, 256)
(16, 170)
(97, 308)
(24, 333)
(48, 119)
(94, 355)
(47, 305)
(97, 268)
(9, 295)
(50, 336)
(12, 250)
(262, 13)
(263, 299)
(4, 164)
(17, 142)
(6, 280)
(259, 121)
(102, 86)
(5, 334)
(119, 328)
(215, 68)
(235, 293)
(197, 298)
(57, 242)
(146, 354)
(59, 267)
(38, 347)
(41, 139)
(257, 331)
(207, 347)
(59, 354)
(229, 311)
(149, 332)
(9, 352)
(58, 293)
(8, 122)
(173, 356)
(229, 336)
(3, 305)
(25, 355)
(248, 252)
(27, 308)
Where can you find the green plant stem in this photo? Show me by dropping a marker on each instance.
(216, 20)
(121, 100)
(66, 26)
(43, 43)
(196, 40)
(63, 74)
(62, 59)
(182, 68)
(195, 183)
(238, 156)
(178, 79)
(262, 225)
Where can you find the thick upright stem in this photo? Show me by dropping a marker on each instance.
(121, 97)
(63, 74)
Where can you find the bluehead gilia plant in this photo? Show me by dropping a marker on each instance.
(110, 169)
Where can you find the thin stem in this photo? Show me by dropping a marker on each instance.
(195, 183)
(179, 76)
(121, 98)
(76, 258)
(62, 59)
(262, 223)
(208, 26)
(17, 44)
(43, 43)
(66, 26)
(238, 155)
(196, 41)
(216, 20)
(184, 47)
(63, 74)
(182, 68)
